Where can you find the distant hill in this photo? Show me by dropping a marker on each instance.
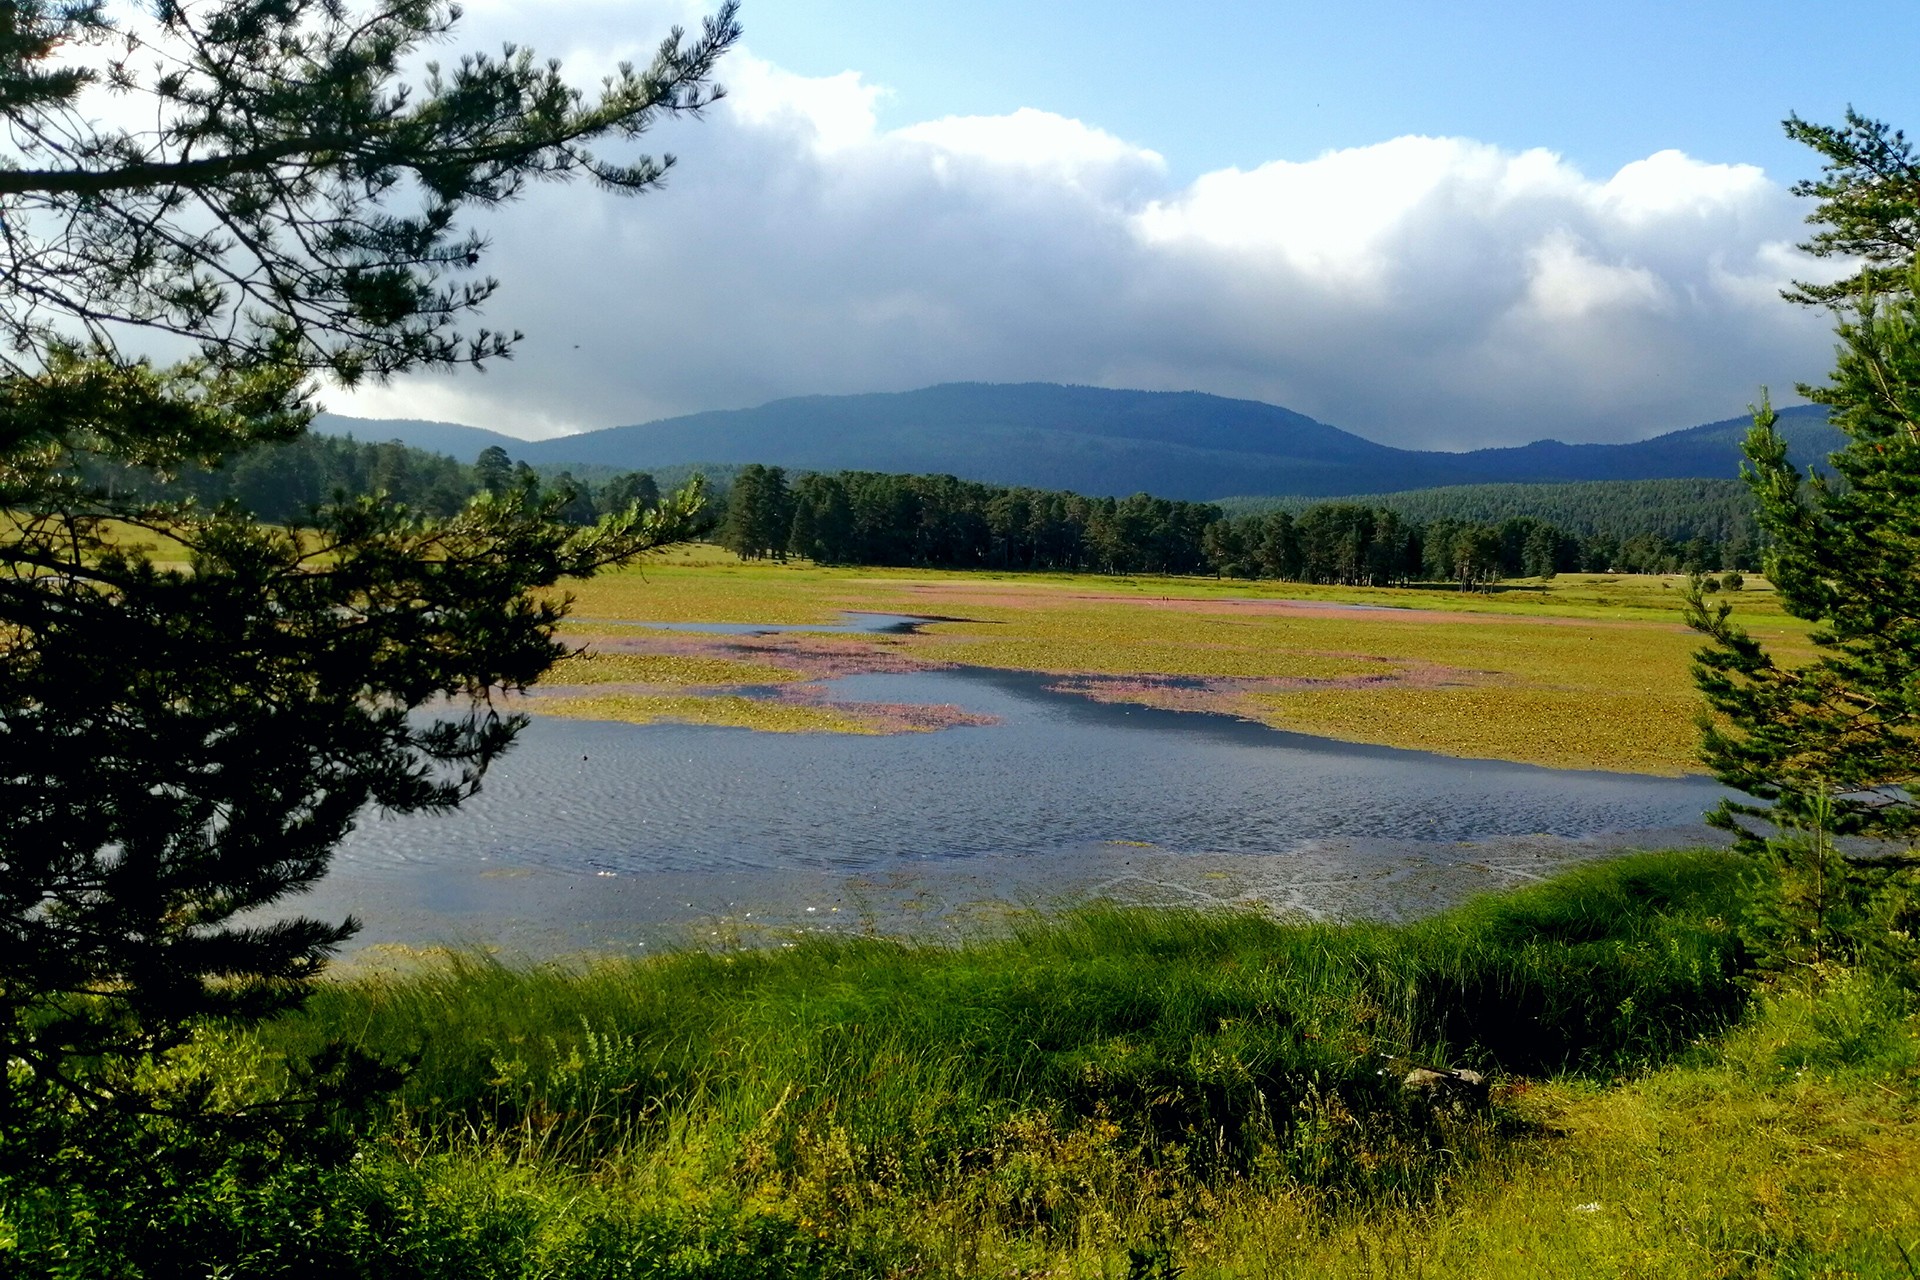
(1097, 441)
(1703, 452)
(464, 443)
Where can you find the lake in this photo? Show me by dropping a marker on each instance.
(604, 836)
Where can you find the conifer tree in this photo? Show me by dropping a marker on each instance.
(191, 719)
(1831, 748)
(1868, 194)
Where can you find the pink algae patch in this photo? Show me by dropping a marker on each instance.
(887, 717)
(816, 658)
(1224, 694)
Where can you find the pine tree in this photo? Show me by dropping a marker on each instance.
(493, 470)
(1831, 748)
(630, 489)
(1868, 194)
(185, 741)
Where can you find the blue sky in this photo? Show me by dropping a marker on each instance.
(1213, 84)
(1435, 225)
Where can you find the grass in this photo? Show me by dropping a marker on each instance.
(711, 585)
(721, 711)
(1584, 671)
(1472, 687)
(1561, 726)
(1116, 1093)
(1149, 1005)
(589, 668)
(1784, 1148)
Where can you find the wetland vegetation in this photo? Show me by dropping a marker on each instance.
(1107, 1094)
(1579, 671)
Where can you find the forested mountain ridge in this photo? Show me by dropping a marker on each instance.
(1711, 450)
(1186, 445)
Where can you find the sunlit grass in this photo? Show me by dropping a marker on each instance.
(702, 583)
(663, 669)
(711, 585)
(120, 535)
(1782, 1149)
(718, 710)
(1126, 1093)
(1636, 731)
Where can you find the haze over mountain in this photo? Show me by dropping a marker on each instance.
(1098, 441)
(462, 442)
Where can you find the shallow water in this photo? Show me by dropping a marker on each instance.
(601, 835)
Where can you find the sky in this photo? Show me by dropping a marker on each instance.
(1436, 225)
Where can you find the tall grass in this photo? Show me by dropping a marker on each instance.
(1177, 1023)
(1094, 1095)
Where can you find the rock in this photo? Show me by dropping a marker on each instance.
(1459, 1091)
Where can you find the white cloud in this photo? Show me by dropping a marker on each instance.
(830, 113)
(1346, 219)
(1036, 146)
(1423, 291)
(1671, 185)
(1566, 284)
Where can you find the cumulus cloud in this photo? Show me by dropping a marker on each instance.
(1433, 292)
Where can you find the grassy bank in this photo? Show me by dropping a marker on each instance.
(721, 710)
(1118, 1094)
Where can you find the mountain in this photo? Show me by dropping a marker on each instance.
(1181, 444)
(464, 443)
(1708, 451)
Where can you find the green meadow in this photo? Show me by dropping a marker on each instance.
(1108, 1094)
(720, 710)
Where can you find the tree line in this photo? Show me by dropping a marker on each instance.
(1719, 510)
(870, 518)
(938, 521)
(287, 482)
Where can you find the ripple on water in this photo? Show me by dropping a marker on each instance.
(711, 816)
